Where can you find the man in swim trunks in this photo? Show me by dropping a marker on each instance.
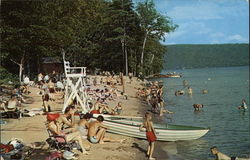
(150, 134)
(96, 132)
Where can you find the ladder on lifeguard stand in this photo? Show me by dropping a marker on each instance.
(75, 86)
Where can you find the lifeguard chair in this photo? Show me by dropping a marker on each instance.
(75, 86)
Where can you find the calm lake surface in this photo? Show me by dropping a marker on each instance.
(229, 127)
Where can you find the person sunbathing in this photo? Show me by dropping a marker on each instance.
(13, 104)
(96, 132)
(54, 126)
(18, 93)
(100, 108)
(83, 124)
(117, 109)
(68, 117)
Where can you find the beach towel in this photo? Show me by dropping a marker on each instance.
(5, 148)
(54, 156)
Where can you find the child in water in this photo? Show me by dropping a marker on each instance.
(150, 134)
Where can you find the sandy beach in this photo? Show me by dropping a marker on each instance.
(33, 130)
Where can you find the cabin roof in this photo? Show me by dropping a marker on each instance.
(51, 60)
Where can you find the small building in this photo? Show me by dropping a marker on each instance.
(50, 64)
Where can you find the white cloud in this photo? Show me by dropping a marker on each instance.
(237, 37)
(219, 37)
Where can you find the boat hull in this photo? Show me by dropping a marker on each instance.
(164, 132)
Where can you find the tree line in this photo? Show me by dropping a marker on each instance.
(110, 35)
(206, 55)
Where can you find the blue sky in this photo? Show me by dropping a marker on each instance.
(206, 21)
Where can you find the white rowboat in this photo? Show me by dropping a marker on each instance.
(164, 132)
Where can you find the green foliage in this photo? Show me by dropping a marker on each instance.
(153, 22)
(96, 34)
(6, 77)
(201, 56)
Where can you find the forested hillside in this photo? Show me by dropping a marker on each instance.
(200, 56)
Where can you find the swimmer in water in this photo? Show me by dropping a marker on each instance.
(179, 92)
(220, 156)
(190, 91)
(204, 91)
(243, 105)
(197, 107)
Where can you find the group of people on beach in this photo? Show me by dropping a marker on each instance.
(14, 103)
(84, 131)
(152, 94)
(89, 130)
(100, 90)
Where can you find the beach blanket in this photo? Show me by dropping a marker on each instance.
(32, 112)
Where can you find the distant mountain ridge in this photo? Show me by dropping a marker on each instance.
(206, 55)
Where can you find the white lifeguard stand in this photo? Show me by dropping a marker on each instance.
(75, 86)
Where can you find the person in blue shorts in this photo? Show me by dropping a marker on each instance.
(96, 132)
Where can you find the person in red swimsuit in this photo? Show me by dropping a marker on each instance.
(150, 134)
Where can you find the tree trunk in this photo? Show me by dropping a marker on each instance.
(126, 60)
(152, 59)
(20, 72)
(20, 67)
(143, 47)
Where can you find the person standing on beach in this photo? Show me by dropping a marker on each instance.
(130, 75)
(150, 134)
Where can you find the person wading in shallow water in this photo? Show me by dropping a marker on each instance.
(221, 156)
(150, 134)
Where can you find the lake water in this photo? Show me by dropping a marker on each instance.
(230, 128)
